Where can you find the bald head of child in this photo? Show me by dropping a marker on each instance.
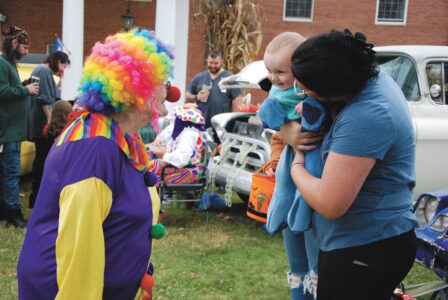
(277, 58)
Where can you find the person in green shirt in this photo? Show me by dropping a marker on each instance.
(14, 122)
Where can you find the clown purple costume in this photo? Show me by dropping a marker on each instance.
(111, 195)
(89, 234)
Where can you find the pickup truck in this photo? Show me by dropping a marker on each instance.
(420, 71)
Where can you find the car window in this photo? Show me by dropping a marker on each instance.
(437, 74)
(404, 72)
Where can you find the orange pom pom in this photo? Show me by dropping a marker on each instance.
(147, 283)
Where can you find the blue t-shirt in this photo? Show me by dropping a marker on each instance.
(219, 101)
(376, 124)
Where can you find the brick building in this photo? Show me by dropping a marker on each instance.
(385, 22)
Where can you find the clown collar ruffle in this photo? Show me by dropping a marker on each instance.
(89, 125)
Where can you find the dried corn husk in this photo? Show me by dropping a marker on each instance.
(234, 28)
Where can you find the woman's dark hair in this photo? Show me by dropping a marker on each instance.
(55, 57)
(335, 63)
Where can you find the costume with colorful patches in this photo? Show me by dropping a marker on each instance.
(189, 138)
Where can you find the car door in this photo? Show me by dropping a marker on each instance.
(431, 122)
(429, 113)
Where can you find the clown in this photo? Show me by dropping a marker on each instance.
(180, 145)
(89, 236)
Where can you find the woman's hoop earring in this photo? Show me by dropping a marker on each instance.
(303, 94)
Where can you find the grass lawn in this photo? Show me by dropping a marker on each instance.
(231, 258)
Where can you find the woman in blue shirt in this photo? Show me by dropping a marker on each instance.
(364, 223)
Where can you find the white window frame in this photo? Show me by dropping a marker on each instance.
(140, 0)
(49, 49)
(405, 15)
(297, 19)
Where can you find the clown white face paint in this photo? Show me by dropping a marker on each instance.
(160, 100)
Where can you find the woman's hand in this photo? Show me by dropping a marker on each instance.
(300, 141)
(342, 178)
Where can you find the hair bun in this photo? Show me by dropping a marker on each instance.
(360, 36)
(360, 40)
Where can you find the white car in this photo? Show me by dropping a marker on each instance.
(420, 71)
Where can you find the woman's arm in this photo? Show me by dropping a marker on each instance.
(48, 91)
(292, 135)
(342, 179)
(47, 112)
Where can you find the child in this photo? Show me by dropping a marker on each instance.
(59, 118)
(277, 110)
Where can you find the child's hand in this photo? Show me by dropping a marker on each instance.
(298, 108)
(158, 143)
(157, 149)
(270, 172)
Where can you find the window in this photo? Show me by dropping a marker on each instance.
(50, 48)
(437, 74)
(404, 72)
(391, 12)
(298, 10)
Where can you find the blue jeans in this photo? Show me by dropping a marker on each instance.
(9, 175)
(302, 253)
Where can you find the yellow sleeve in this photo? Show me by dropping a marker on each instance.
(155, 199)
(80, 251)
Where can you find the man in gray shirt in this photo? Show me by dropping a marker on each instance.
(204, 90)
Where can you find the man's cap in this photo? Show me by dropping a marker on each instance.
(21, 35)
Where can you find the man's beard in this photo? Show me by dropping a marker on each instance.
(214, 70)
(17, 55)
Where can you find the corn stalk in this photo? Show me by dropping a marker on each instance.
(234, 28)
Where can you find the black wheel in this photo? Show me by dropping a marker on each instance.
(243, 197)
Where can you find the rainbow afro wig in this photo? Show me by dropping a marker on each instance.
(123, 71)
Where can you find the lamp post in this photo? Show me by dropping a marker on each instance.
(128, 19)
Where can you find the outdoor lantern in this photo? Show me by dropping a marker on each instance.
(128, 19)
